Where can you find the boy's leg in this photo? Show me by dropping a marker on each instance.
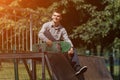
(74, 61)
(76, 64)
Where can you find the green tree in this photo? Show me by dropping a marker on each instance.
(102, 27)
(92, 24)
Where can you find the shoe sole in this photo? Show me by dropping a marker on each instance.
(82, 70)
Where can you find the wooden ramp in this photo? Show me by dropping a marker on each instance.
(60, 69)
(96, 68)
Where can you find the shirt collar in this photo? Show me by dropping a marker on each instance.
(59, 26)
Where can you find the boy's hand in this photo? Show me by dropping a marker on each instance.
(49, 42)
(70, 51)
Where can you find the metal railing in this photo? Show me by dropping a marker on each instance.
(18, 34)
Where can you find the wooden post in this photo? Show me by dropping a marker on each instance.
(16, 66)
(111, 65)
(43, 66)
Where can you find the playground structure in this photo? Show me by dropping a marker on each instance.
(20, 41)
(59, 67)
(24, 56)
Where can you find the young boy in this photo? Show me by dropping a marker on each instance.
(56, 32)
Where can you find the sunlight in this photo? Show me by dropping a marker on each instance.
(5, 1)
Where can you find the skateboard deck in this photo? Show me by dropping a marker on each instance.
(57, 47)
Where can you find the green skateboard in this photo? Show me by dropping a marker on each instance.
(57, 47)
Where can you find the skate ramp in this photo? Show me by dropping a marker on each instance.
(97, 69)
(59, 67)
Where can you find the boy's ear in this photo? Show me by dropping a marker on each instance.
(52, 16)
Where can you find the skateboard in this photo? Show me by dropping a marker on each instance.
(57, 47)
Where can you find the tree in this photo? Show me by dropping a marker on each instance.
(92, 24)
(102, 27)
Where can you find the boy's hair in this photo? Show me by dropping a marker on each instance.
(57, 10)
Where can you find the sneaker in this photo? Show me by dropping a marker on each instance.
(81, 70)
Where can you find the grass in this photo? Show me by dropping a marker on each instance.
(116, 72)
(7, 72)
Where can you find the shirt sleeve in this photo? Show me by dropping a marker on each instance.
(65, 37)
(41, 33)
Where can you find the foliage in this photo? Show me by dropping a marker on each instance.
(100, 24)
(92, 24)
(116, 47)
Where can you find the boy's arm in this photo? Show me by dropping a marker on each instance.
(67, 39)
(41, 33)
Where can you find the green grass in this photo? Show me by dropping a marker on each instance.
(7, 72)
(116, 72)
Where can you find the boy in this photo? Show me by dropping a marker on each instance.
(56, 32)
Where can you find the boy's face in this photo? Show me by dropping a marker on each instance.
(56, 17)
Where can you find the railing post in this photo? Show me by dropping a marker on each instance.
(111, 65)
(33, 70)
(119, 68)
(16, 67)
(43, 66)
